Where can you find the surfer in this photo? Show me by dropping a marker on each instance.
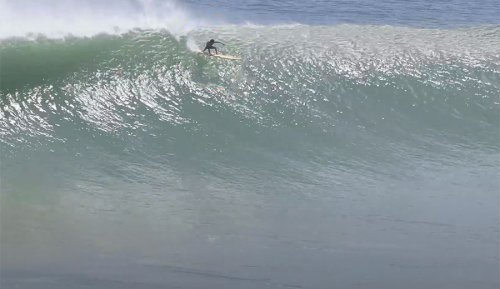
(210, 45)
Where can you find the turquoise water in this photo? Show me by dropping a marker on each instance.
(341, 154)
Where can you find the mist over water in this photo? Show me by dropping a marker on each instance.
(59, 18)
(330, 156)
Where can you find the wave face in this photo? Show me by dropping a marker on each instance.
(170, 160)
(308, 80)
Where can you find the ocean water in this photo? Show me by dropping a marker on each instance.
(355, 145)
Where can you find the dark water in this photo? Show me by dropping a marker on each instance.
(359, 153)
(419, 13)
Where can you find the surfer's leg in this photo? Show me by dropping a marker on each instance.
(216, 50)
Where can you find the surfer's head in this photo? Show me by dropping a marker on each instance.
(211, 40)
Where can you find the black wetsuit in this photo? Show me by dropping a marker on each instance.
(210, 45)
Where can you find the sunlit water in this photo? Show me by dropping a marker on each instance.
(354, 146)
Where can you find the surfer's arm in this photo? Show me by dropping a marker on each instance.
(219, 42)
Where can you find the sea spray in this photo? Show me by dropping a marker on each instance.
(60, 18)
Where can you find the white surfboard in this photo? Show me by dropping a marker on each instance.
(228, 57)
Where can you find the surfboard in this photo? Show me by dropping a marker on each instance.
(228, 57)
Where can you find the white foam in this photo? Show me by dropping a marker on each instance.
(191, 44)
(59, 18)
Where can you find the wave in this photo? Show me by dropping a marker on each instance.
(328, 89)
(128, 156)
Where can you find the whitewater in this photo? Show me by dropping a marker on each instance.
(336, 154)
